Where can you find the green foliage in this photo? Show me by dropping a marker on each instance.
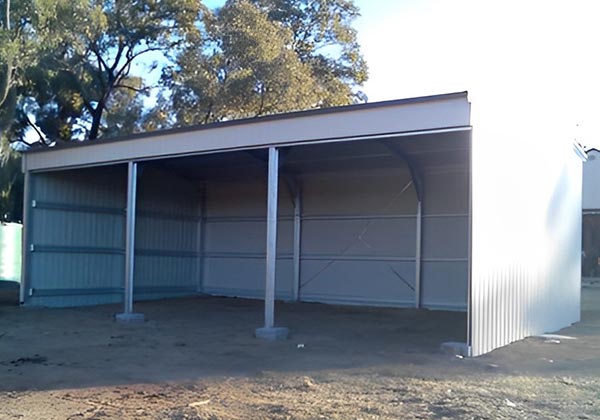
(323, 37)
(265, 57)
(11, 190)
(18, 51)
(249, 72)
(89, 46)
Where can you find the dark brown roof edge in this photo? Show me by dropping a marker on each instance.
(266, 118)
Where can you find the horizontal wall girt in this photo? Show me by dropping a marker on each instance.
(110, 291)
(44, 205)
(56, 249)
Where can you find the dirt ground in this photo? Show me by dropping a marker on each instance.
(196, 359)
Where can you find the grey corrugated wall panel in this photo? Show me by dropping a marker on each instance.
(166, 240)
(385, 237)
(245, 277)
(352, 274)
(445, 264)
(77, 231)
(235, 235)
(235, 225)
(358, 231)
(75, 235)
(526, 272)
(591, 186)
(445, 285)
(100, 187)
(379, 283)
(377, 192)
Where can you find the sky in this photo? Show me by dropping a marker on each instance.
(538, 58)
(542, 54)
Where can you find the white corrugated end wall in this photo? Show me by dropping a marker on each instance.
(526, 236)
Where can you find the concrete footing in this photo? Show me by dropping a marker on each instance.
(455, 348)
(272, 334)
(130, 318)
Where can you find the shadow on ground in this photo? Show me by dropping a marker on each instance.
(9, 293)
(196, 359)
(198, 337)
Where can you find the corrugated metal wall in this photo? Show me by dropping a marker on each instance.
(445, 238)
(358, 237)
(235, 239)
(526, 237)
(167, 239)
(358, 230)
(76, 240)
(75, 237)
(201, 227)
(591, 186)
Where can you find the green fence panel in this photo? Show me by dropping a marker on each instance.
(10, 251)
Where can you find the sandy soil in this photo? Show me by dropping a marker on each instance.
(196, 359)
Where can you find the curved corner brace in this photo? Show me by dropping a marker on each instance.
(415, 172)
(417, 179)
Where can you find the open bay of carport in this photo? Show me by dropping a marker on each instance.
(196, 358)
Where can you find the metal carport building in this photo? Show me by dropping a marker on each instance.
(390, 204)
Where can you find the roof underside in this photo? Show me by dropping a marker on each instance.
(428, 151)
(442, 114)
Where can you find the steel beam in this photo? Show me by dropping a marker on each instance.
(296, 194)
(269, 331)
(200, 232)
(418, 251)
(128, 315)
(272, 194)
(297, 242)
(25, 235)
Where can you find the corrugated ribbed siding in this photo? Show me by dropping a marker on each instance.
(235, 232)
(75, 236)
(526, 243)
(76, 230)
(166, 234)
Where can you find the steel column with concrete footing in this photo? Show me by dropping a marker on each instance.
(25, 241)
(456, 349)
(418, 251)
(269, 331)
(128, 315)
(297, 241)
(296, 193)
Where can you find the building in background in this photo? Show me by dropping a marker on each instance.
(590, 265)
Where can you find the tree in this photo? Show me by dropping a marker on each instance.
(265, 57)
(17, 53)
(249, 71)
(11, 190)
(88, 50)
(249, 58)
(323, 37)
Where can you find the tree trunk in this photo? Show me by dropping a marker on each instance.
(6, 82)
(96, 120)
